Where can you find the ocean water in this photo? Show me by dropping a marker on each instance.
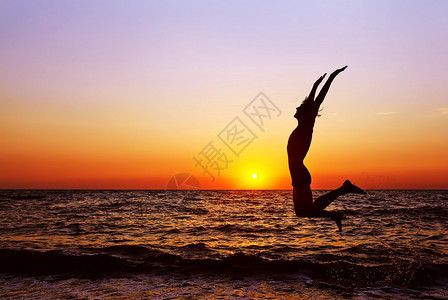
(220, 245)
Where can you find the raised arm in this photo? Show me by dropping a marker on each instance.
(323, 92)
(313, 90)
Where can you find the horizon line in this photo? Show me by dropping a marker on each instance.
(136, 189)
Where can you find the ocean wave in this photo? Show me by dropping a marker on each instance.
(232, 228)
(26, 197)
(121, 260)
(422, 210)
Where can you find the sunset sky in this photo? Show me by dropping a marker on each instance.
(124, 94)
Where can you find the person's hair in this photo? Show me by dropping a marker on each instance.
(306, 104)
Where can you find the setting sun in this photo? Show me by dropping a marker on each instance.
(254, 176)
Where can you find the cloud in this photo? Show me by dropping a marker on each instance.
(386, 113)
(443, 110)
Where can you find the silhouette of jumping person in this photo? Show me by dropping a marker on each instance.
(298, 145)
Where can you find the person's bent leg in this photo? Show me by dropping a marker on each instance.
(334, 215)
(323, 201)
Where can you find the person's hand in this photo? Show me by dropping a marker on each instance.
(318, 81)
(324, 90)
(336, 72)
(315, 85)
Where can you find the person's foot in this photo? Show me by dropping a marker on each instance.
(338, 219)
(351, 188)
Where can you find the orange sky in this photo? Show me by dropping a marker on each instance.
(124, 97)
